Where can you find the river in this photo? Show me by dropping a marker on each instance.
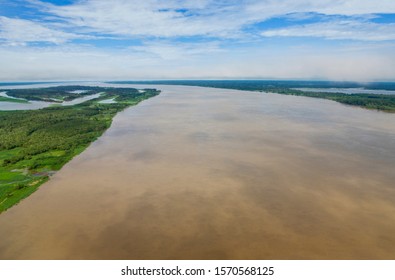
(201, 173)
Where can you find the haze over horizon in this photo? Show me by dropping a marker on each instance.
(344, 40)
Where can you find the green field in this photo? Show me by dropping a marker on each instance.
(36, 143)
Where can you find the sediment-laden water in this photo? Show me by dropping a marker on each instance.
(200, 173)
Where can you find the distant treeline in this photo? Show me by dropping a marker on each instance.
(7, 84)
(264, 84)
(381, 102)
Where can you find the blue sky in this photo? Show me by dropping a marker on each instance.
(201, 39)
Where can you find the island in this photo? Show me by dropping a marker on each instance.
(7, 99)
(34, 144)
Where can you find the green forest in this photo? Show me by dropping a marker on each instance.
(36, 143)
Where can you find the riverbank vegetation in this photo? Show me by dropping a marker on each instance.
(36, 143)
(382, 102)
(7, 99)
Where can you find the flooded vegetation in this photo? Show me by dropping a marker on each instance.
(201, 173)
(25, 98)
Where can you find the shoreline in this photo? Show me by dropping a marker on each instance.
(40, 142)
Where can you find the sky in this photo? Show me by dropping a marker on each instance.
(343, 40)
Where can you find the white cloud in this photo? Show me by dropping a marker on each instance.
(342, 29)
(156, 25)
(20, 32)
(269, 8)
(71, 62)
(177, 51)
(356, 7)
(155, 59)
(173, 18)
(144, 18)
(89, 63)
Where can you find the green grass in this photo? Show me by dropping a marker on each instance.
(10, 176)
(14, 193)
(35, 143)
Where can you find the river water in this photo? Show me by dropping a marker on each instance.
(200, 173)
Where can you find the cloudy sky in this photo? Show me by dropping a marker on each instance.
(197, 39)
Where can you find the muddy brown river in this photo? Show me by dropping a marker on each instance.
(200, 173)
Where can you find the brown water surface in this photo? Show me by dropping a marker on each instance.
(199, 173)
